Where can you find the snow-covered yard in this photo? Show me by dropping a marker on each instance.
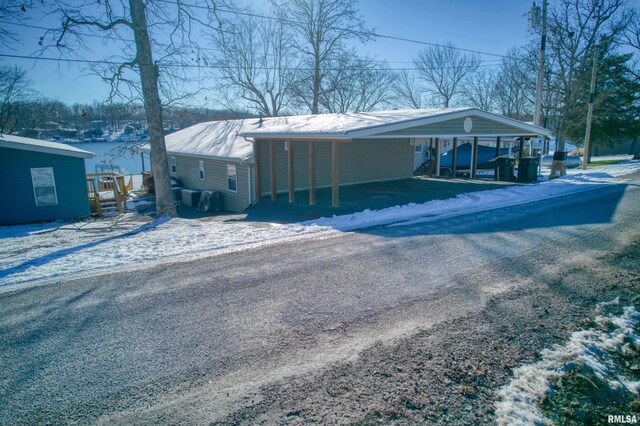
(47, 252)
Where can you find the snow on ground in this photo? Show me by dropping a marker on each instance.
(520, 400)
(575, 181)
(35, 252)
(618, 157)
(47, 252)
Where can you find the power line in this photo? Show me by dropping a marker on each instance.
(198, 66)
(84, 34)
(108, 37)
(364, 33)
(36, 27)
(255, 15)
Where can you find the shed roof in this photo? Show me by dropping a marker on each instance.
(38, 145)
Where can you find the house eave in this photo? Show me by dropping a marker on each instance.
(297, 136)
(454, 135)
(247, 160)
(46, 150)
(527, 129)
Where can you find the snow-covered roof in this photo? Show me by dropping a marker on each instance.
(338, 126)
(367, 124)
(228, 139)
(38, 145)
(217, 139)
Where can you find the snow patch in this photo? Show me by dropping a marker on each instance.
(520, 400)
(411, 214)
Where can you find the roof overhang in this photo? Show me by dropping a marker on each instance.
(78, 153)
(249, 160)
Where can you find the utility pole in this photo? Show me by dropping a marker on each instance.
(592, 95)
(537, 117)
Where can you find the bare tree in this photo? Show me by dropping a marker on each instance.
(15, 91)
(407, 90)
(322, 27)
(12, 11)
(140, 31)
(631, 38)
(480, 89)
(444, 70)
(356, 84)
(574, 28)
(515, 85)
(632, 33)
(256, 63)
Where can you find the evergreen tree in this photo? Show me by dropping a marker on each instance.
(616, 114)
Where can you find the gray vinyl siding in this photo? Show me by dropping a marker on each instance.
(17, 200)
(481, 126)
(188, 175)
(362, 160)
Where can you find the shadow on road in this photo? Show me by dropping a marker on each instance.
(586, 208)
(43, 260)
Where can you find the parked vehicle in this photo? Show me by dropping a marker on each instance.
(486, 158)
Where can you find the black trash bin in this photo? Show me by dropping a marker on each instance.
(505, 169)
(560, 155)
(528, 169)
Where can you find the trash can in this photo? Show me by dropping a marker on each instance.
(505, 169)
(528, 169)
(560, 155)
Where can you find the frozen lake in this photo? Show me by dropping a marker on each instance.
(119, 153)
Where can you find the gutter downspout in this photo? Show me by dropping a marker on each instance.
(249, 185)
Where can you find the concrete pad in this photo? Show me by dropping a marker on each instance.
(372, 196)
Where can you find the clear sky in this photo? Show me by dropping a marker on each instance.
(493, 26)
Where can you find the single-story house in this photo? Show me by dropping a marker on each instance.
(41, 180)
(250, 158)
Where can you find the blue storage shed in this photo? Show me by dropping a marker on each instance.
(41, 180)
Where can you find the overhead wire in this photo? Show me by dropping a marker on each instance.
(106, 37)
(199, 66)
(364, 33)
(282, 20)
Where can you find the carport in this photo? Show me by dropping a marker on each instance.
(330, 150)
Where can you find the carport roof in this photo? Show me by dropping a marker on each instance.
(397, 123)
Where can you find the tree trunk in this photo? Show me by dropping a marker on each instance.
(153, 108)
(562, 128)
(632, 149)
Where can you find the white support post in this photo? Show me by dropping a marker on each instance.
(438, 147)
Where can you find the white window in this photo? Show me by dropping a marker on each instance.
(174, 166)
(419, 148)
(232, 178)
(201, 169)
(44, 186)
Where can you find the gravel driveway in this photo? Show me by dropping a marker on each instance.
(407, 324)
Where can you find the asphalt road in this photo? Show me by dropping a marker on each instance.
(194, 342)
